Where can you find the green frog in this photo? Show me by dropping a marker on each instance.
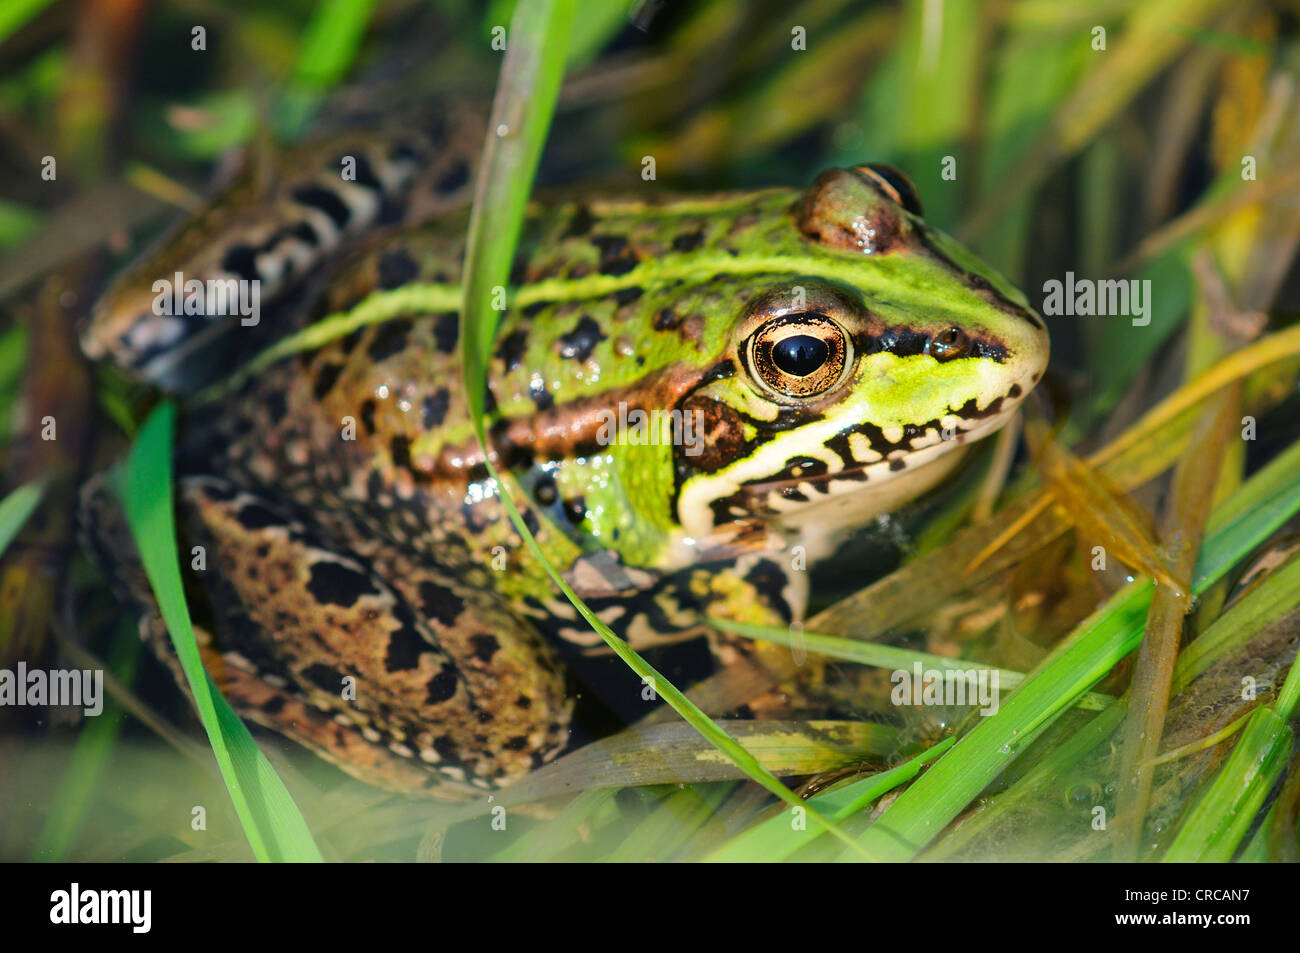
(690, 399)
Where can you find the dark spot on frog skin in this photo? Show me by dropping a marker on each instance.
(689, 241)
(517, 743)
(349, 342)
(542, 398)
(325, 380)
(274, 705)
(898, 463)
(405, 646)
(446, 332)
(1014, 392)
(368, 415)
(667, 320)
(576, 509)
(314, 196)
(901, 341)
(512, 347)
(405, 152)
(389, 339)
(374, 485)
(305, 232)
(485, 646)
(579, 343)
(627, 296)
(254, 516)
(442, 687)
(400, 450)
(544, 490)
(276, 406)
(768, 580)
(365, 174)
(324, 677)
(454, 178)
(333, 583)
(446, 748)
(580, 224)
(434, 409)
(241, 260)
(531, 521)
(439, 603)
(219, 490)
(616, 256)
(524, 702)
(396, 268)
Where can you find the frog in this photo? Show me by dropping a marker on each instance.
(688, 398)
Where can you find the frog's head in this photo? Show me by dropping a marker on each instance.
(848, 383)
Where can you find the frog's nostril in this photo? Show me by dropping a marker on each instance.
(950, 344)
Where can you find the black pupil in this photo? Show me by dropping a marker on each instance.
(800, 354)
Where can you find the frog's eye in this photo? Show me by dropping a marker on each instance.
(896, 185)
(949, 345)
(798, 355)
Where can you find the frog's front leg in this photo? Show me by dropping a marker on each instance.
(380, 664)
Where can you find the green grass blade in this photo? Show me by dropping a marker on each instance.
(1270, 498)
(521, 113)
(271, 820)
(776, 839)
(1220, 819)
(15, 14)
(885, 656)
(329, 47)
(1217, 823)
(93, 752)
(331, 42)
(16, 509)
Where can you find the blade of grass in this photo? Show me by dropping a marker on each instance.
(1148, 41)
(1264, 607)
(884, 656)
(1270, 498)
(16, 13)
(521, 113)
(1216, 824)
(1190, 502)
(16, 509)
(771, 839)
(680, 819)
(92, 752)
(1219, 820)
(328, 48)
(271, 821)
(562, 832)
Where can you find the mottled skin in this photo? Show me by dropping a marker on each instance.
(353, 530)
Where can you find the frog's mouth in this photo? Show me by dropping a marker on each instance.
(813, 480)
(792, 487)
